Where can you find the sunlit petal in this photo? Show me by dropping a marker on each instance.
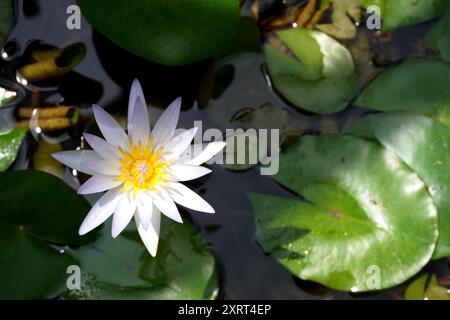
(166, 124)
(126, 207)
(185, 172)
(109, 127)
(102, 147)
(98, 183)
(74, 159)
(166, 205)
(150, 235)
(188, 198)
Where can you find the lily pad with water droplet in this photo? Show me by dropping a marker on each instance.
(122, 268)
(39, 213)
(364, 212)
(311, 70)
(423, 145)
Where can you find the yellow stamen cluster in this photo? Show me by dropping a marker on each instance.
(142, 168)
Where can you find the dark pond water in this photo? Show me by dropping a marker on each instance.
(104, 77)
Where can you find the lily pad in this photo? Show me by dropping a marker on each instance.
(423, 145)
(6, 96)
(399, 13)
(439, 37)
(6, 14)
(10, 142)
(311, 70)
(172, 32)
(352, 224)
(122, 268)
(417, 85)
(41, 211)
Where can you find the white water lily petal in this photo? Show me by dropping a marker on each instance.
(177, 145)
(166, 124)
(188, 198)
(139, 123)
(185, 172)
(166, 205)
(102, 147)
(126, 207)
(98, 183)
(103, 167)
(150, 235)
(110, 129)
(74, 159)
(209, 151)
(136, 91)
(101, 211)
(145, 209)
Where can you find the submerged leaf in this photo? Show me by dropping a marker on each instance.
(439, 37)
(342, 26)
(311, 70)
(352, 223)
(420, 290)
(6, 15)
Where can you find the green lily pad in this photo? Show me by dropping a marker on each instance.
(10, 142)
(311, 70)
(423, 145)
(6, 14)
(439, 37)
(352, 225)
(40, 210)
(6, 96)
(417, 85)
(172, 32)
(122, 268)
(399, 13)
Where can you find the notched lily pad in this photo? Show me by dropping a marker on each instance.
(353, 223)
(311, 70)
(121, 268)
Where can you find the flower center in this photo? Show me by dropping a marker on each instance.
(142, 168)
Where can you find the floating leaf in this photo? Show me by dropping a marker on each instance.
(172, 32)
(399, 13)
(311, 70)
(423, 145)
(439, 37)
(353, 223)
(40, 210)
(6, 96)
(417, 85)
(122, 268)
(6, 14)
(10, 142)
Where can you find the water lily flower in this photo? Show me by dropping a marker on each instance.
(141, 171)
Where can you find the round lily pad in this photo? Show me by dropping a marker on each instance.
(423, 145)
(39, 211)
(311, 70)
(369, 222)
(174, 32)
(122, 268)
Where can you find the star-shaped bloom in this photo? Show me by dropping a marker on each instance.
(141, 171)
